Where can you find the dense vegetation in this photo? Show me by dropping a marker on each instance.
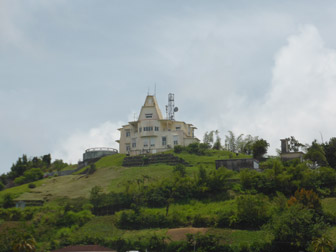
(288, 206)
(26, 170)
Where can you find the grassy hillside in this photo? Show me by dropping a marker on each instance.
(110, 175)
(158, 205)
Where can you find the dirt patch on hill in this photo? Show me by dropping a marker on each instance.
(179, 234)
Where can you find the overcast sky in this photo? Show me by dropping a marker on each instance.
(72, 72)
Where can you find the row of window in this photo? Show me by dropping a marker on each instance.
(148, 128)
(151, 142)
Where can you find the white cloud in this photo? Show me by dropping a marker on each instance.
(301, 100)
(72, 149)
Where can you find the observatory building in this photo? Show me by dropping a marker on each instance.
(152, 133)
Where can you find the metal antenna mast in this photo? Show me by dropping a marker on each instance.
(170, 108)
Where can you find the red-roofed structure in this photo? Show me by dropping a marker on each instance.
(82, 248)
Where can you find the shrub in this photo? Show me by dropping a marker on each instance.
(29, 176)
(2, 186)
(92, 169)
(193, 148)
(71, 218)
(307, 198)
(178, 148)
(252, 211)
(12, 214)
(294, 228)
(180, 169)
(8, 201)
(130, 219)
(202, 221)
(31, 185)
(226, 219)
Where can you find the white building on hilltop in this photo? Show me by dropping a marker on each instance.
(151, 133)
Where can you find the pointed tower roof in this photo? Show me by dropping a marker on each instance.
(151, 104)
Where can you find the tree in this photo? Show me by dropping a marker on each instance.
(208, 138)
(29, 176)
(322, 244)
(260, 148)
(295, 228)
(294, 145)
(252, 210)
(58, 164)
(24, 243)
(19, 167)
(2, 186)
(239, 144)
(246, 145)
(316, 154)
(330, 152)
(8, 201)
(230, 142)
(308, 199)
(46, 159)
(217, 144)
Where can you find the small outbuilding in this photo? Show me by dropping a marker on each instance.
(238, 164)
(286, 154)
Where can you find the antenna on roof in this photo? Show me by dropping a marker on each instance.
(321, 137)
(170, 108)
(148, 91)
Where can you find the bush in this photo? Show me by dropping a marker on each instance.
(8, 201)
(252, 211)
(92, 169)
(29, 176)
(202, 221)
(31, 185)
(178, 148)
(193, 148)
(226, 219)
(2, 186)
(129, 219)
(71, 218)
(13, 214)
(180, 169)
(294, 228)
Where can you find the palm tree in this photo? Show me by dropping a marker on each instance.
(322, 244)
(24, 243)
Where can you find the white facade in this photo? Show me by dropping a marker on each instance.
(152, 133)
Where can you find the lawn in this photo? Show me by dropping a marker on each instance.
(111, 176)
(103, 226)
(19, 190)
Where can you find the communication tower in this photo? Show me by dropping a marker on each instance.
(170, 108)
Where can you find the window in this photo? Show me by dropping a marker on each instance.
(152, 141)
(175, 138)
(148, 128)
(178, 127)
(128, 148)
(149, 115)
(164, 141)
(133, 142)
(140, 129)
(145, 142)
(128, 133)
(156, 128)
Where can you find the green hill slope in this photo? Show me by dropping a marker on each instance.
(110, 175)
